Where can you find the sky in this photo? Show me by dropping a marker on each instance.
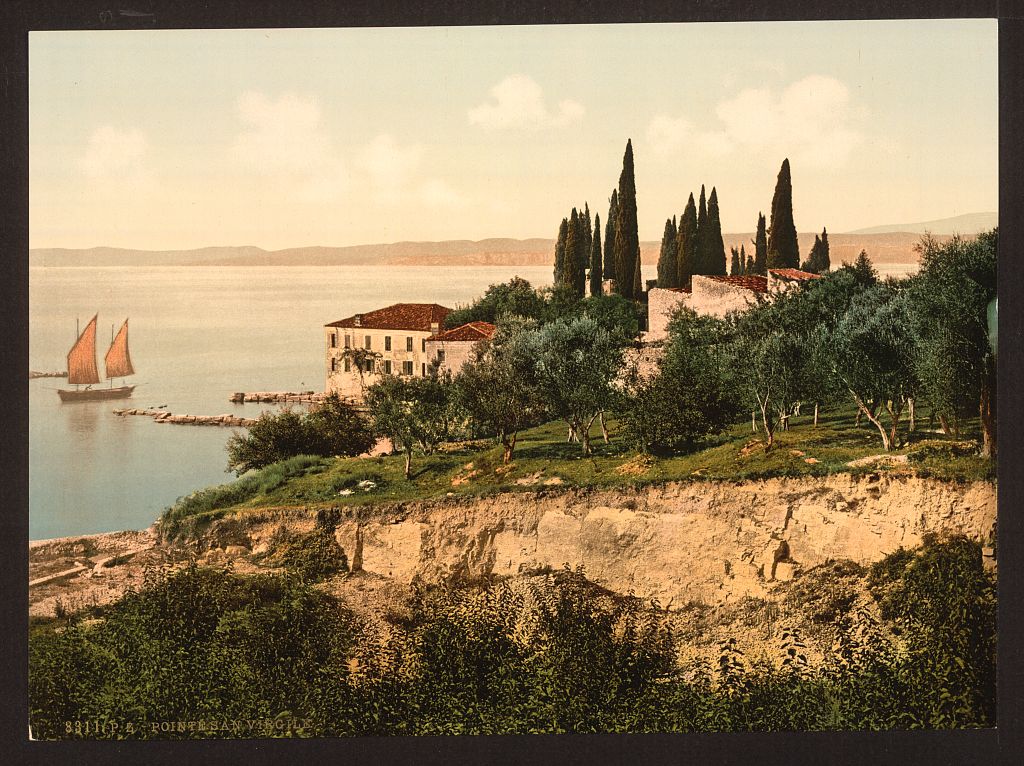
(176, 139)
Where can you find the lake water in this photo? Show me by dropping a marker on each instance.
(196, 335)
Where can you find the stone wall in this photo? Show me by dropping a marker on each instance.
(661, 304)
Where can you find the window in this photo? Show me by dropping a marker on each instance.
(408, 343)
(369, 365)
(387, 366)
(387, 342)
(407, 368)
(440, 355)
(334, 340)
(423, 370)
(334, 364)
(367, 344)
(348, 365)
(348, 341)
(424, 346)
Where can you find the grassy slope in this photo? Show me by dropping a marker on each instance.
(543, 458)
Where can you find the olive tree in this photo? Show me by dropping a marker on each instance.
(575, 363)
(498, 386)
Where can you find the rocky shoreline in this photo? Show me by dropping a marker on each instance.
(163, 416)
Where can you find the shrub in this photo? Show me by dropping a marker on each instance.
(333, 428)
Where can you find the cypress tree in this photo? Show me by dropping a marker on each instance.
(609, 235)
(760, 265)
(563, 232)
(700, 260)
(595, 257)
(715, 245)
(576, 257)
(749, 268)
(744, 260)
(638, 285)
(783, 249)
(587, 225)
(627, 239)
(824, 263)
(734, 263)
(667, 256)
(686, 243)
(811, 264)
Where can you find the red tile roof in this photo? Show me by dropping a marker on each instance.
(752, 282)
(474, 332)
(793, 274)
(400, 316)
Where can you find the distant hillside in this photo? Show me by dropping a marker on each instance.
(897, 247)
(971, 223)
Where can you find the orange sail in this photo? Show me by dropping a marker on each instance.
(117, 360)
(82, 357)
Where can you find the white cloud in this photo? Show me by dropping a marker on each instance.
(283, 134)
(438, 193)
(389, 165)
(518, 102)
(114, 154)
(811, 121)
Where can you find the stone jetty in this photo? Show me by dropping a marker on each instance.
(162, 416)
(33, 374)
(277, 397)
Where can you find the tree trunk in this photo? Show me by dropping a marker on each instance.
(753, 421)
(586, 434)
(956, 426)
(509, 443)
(945, 425)
(913, 414)
(886, 443)
(895, 409)
(815, 414)
(769, 428)
(408, 463)
(604, 428)
(987, 407)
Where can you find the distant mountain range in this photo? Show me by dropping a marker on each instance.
(884, 244)
(968, 224)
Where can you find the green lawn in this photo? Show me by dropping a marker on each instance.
(543, 460)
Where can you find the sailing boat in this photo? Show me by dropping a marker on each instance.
(82, 366)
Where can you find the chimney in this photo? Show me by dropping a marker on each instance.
(434, 327)
(357, 320)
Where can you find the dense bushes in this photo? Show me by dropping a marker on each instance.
(549, 653)
(333, 428)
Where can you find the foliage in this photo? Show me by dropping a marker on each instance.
(701, 246)
(626, 247)
(560, 252)
(714, 256)
(596, 283)
(871, 351)
(686, 244)
(689, 398)
(818, 261)
(195, 645)
(333, 428)
(667, 255)
(497, 387)
(760, 242)
(544, 653)
(576, 361)
(783, 248)
(949, 298)
(415, 412)
(314, 556)
(515, 297)
(609, 235)
(252, 484)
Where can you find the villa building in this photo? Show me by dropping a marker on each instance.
(388, 341)
(716, 296)
(453, 348)
(403, 339)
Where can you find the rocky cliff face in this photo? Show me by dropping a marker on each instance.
(712, 542)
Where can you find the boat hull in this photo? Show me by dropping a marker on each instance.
(93, 394)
